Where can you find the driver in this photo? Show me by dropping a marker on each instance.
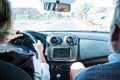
(107, 71)
(38, 69)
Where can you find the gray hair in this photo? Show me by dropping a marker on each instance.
(115, 2)
(116, 16)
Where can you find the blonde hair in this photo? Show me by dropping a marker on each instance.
(5, 19)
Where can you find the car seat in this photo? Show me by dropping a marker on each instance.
(10, 71)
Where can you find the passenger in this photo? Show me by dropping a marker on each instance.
(109, 70)
(36, 68)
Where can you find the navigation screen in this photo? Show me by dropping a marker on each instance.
(61, 53)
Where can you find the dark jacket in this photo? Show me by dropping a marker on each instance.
(22, 60)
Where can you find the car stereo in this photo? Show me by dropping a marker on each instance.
(61, 53)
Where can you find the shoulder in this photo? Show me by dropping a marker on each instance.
(101, 70)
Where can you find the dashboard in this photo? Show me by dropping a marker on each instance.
(64, 48)
(68, 46)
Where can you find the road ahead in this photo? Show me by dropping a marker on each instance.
(68, 25)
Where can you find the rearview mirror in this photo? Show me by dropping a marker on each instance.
(59, 7)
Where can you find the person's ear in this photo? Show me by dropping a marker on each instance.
(115, 33)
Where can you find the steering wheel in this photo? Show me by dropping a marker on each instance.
(27, 34)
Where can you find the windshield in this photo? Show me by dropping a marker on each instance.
(85, 15)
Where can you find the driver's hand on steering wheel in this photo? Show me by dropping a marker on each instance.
(39, 48)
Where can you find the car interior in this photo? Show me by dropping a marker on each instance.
(70, 30)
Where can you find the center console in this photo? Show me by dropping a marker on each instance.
(61, 51)
(62, 47)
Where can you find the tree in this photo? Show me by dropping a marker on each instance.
(84, 9)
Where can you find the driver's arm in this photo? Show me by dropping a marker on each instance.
(39, 48)
(12, 35)
(40, 65)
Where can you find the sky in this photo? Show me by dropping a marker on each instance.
(37, 3)
(96, 2)
(27, 3)
(77, 2)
